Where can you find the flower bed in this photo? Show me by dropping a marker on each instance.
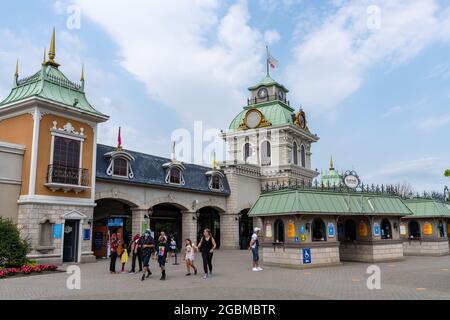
(26, 269)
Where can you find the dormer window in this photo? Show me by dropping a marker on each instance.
(215, 180)
(120, 167)
(174, 172)
(120, 164)
(175, 175)
(215, 183)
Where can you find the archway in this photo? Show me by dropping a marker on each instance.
(110, 216)
(245, 229)
(279, 231)
(209, 218)
(167, 217)
(350, 230)
(414, 230)
(318, 230)
(386, 230)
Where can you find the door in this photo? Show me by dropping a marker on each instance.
(70, 246)
(100, 241)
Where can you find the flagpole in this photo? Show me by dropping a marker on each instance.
(267, 59)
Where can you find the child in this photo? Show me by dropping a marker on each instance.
(124, 258)
(161, 253)
(189, 257)
(173, 249)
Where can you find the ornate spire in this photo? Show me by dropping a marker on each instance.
(331, 163)
(52, 51)
(173, 151)
(82, 73)
(16, 74)
(119, 140)
(45, 55)
(214, 163)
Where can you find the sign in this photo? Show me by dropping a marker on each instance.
(296, 239)
(115, 222)
(362, 229)
(303, 237)
(376, 229)
(330, 230)
(57, 231)
(351, 179)
(306, 255)
(427, 229)
(268, 230)
(87, 234)
(291, 230)
(403, 231)
(302, 229)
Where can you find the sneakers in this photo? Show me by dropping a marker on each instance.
(255, 269)
(143, 277)
(187, 274)
(131, 272)
(260, 269)
(205, 276)
(148, 274)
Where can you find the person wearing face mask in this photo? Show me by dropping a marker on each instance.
(161, 253)
(147, 245)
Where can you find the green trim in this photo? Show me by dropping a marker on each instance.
(324, 202)
(266, 82)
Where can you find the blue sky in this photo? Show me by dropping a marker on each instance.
(376, 91)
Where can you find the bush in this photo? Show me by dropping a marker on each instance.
(12, 247)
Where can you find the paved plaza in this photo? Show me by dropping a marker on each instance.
(413, 278)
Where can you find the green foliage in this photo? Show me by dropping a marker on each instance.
(447, 173)
(12, 247)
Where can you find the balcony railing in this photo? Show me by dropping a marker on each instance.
(257, 100)
(67, 178)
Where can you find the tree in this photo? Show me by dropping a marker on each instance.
(447, 173)
(404, 188)
(12, 246)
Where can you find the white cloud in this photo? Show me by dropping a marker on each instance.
(271, 37)
(190, 58)
(435, 122)
(335, 58)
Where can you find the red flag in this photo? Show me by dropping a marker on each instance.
(119, 140)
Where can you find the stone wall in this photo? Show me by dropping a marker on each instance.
(323, 255)
(376, 251)
(426, 248)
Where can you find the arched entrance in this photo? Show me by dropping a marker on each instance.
(167, 217)
(209, 218)
(350, 230)
(245, 229)
(110, 216)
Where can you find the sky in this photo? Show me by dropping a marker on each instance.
(372, 76)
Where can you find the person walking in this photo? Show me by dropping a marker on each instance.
(147, 244)
(254, 246)
(124, 258)
(207, 246)
(189, 257)
(161, 252)
(135, 250)
(114, 245)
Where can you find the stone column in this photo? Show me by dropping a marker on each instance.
(189, 226)
(229, 231)
(138, 218)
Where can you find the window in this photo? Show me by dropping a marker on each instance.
(318, 230)
(120, 167)
(215, 183)
(350, 230)
(45, 236)
(295, 153)
(266, 154)
(303, 156)
(279, 231)
(66, 161)
(386, 232)
(247, 151)
(175, 176)
(441, 229)
(414, 230)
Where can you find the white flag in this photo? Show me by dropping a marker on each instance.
(273, 63)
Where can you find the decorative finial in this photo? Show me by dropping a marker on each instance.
(173, 151)
(17, 68)
(82, 73)
(119, 140)
(52, 51)
(331, 163)
(214, 163)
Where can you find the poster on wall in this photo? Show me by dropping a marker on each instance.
(291, 230)
(427, 229)
(86, 234)
(330, 230)
(268, 231)
(57, 231)
(403, 229)
(362, 229)
(302, 229)
(376, 229)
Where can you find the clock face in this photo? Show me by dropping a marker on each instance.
(262, 93)
(253, 119)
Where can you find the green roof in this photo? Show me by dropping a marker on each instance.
(276, 112)
(428, 208)
(52, 85)
(326, 202)
(331, 178)
(268, 81)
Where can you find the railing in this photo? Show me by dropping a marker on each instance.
(67, 175)
(257, 100)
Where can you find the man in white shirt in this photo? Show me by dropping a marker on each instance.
(254, 246)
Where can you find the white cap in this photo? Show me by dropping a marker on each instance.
(257, 229)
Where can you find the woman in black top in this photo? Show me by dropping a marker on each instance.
(206, 246)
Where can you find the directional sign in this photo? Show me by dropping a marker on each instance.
(306, 255)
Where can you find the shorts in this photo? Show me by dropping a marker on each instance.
(190, 259)
(161, 261)
(255, 254)
(146, 260)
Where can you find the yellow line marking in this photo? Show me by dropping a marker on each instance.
(421, 289)
(307, 273)
(356, 279)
